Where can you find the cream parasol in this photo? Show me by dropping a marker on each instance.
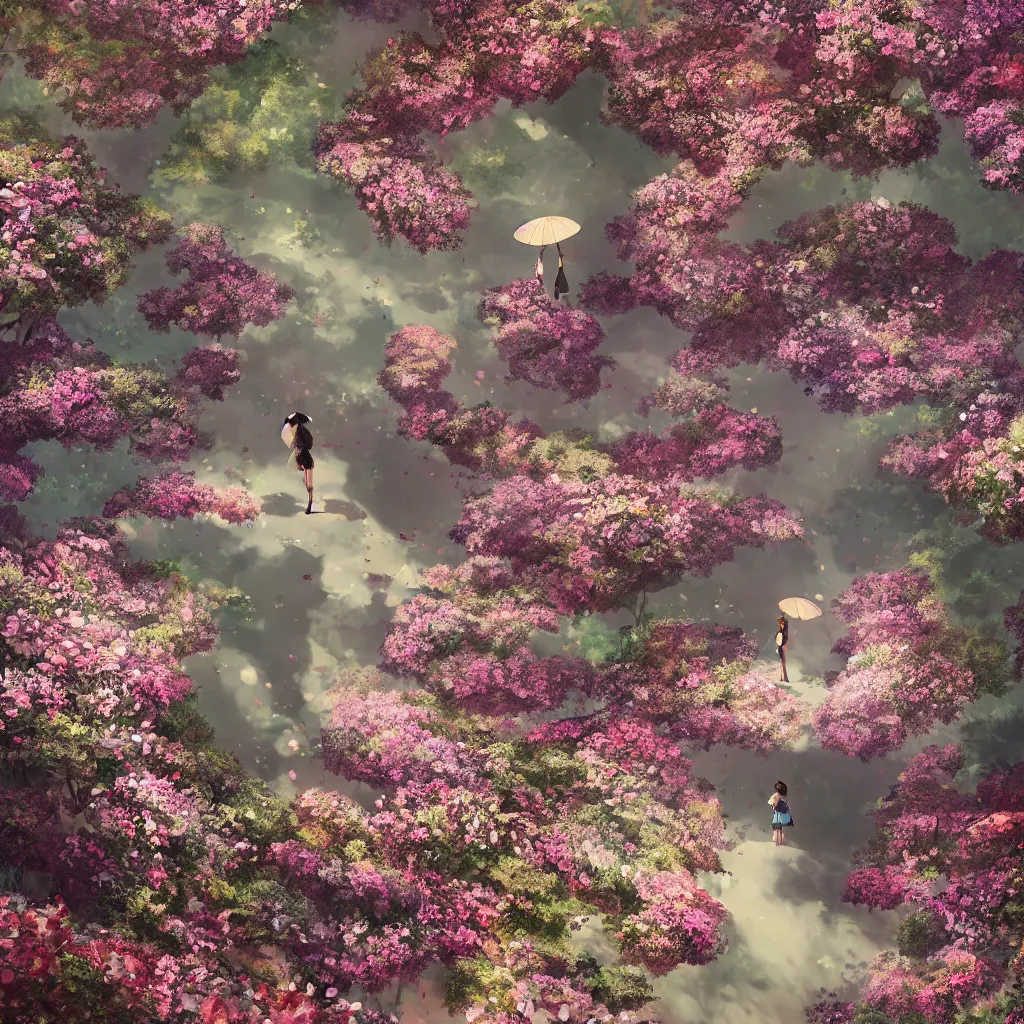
(546, 231)
(289, 425)
(799, 608)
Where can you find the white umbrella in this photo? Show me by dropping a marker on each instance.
(546, 231)
(799, 608)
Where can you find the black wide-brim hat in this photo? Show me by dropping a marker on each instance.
(298, 417)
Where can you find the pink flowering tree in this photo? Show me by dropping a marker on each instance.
(223, 293)
(907, 666)
(118, 64)
(961, 940)
(399, 184)
(68, 236)
(545, 343)
(484, 798)
(53, 388)
(486, 51)
(845, 302)
(194, 893)
(173, 493)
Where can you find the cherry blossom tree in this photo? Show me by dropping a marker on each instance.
(68, 236)
(494, 797)
(119, 64)
(53, 388)
(173, 493)
(961, 941)
(223, 293)
(907, 667)
(545, 343)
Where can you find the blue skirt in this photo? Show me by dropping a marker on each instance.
(782, 820)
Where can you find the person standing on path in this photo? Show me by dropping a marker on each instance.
(782, 817)
(303, 443)
(781, 641)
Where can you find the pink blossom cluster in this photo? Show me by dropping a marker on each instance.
(223, 293)
(67, 236)
(43, 956)
(907, 666)
(680, 923)
(975, 461)
(544, 343)
(460, 793)
(121, 62)
(868, 304)
(59, 389)
(402, 187)
(592, 545)
(85, 647)
(708, 444)
(172, 493)
(954, 858)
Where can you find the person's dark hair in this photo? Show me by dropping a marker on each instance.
(781, 789)
(303, 438)
(782, 622)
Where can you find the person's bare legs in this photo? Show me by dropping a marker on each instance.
(775, 835)
(784, 678)
(307, 478)
(782, 837)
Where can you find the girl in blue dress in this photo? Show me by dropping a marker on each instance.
(782, 817)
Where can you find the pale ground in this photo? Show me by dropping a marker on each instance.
(264, 687)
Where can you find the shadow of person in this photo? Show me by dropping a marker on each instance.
(280, 504)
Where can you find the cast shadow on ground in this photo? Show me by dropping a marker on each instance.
(361, 630)
(285, 604)
(996, 738)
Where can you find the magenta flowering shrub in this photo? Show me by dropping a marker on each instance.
(593, 545)
(53, 388)
(67, 236)
(475, 648)
(995, 134)
(173, 493)
(223, 293)
(974, 462)
(708, 444)
(953, 858)
(679, 924)
(845, 302)
(120, 63)
(401, 186)
(951, 979)
(475, 796)
(108, 650)
(209, 369)
(907, 666)
(48, 959)
(544, 343)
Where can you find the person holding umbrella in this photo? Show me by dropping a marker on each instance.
(296, 435)
(798, 608)
(781, 643)
(545, 231)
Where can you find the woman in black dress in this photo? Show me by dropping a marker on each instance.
(561, 284)
(781, 640)
(303, 455)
